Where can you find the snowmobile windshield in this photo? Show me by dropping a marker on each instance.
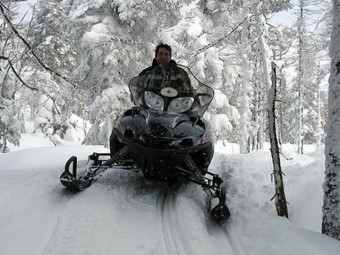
(171, 88)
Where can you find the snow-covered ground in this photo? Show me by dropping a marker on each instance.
(122, 213)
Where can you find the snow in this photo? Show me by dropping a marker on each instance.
(25, 10)
(187, 8)
(221, 124)
(122, 213)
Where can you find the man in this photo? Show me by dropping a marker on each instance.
(162, 56)
(163, 72)
(165, 67)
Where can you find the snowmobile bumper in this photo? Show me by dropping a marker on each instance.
(161, 163)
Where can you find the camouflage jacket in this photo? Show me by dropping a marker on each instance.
(166, 75)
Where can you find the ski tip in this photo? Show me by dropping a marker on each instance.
(220, 213)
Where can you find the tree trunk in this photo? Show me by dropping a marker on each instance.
(331, 202)
(244, 107)
(300, 79)
(280, 198)
(319, 130)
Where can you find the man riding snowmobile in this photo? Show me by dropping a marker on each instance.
(165, 135)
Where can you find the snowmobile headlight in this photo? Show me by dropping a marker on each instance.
(153, 101)
(180, 104)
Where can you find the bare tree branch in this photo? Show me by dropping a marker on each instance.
(31, 49)
(219, 40)
(18, 76)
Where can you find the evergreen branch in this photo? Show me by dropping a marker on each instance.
(16, 32)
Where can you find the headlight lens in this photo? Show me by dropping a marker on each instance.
(180, 104)
(154, 101)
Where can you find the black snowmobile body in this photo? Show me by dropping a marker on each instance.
(164, 135)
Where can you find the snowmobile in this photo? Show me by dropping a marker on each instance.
(164, 136)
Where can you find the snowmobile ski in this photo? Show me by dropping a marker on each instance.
(69, 179)
(220, 212)
(95, 166)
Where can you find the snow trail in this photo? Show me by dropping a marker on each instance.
(123, 213)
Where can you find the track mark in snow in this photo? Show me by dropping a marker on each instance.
(68, 233)
(83, 225)
(171, 231)
(185, 229)
(235, 243)
(224, 241)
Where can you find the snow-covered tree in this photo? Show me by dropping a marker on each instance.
(114, 41)
(301, 114)
(331, 204)
(244, 100)
(256, 46)
(30, 73)
(10, 127)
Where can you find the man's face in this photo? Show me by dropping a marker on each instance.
(163, 56)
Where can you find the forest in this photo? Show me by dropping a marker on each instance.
(67, 64)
